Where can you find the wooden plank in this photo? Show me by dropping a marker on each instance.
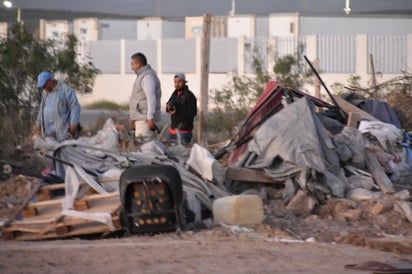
(50, 223)
(29, 212)
(58, 201)
(378, 173)
(247, 175)
(84, 228)
(62, 186)
(43, 195)
(348, 107)
(111, 206)
(353, 119)
(68, 227)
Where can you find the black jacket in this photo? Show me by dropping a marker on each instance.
(186, 109)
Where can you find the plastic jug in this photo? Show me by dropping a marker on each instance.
(238, 210)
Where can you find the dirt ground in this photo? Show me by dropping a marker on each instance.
(217, 250)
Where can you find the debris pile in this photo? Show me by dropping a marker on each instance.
(297, 159)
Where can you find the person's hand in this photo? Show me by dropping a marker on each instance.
(72, 129)
(36, 130)
(119, 127)
(151, 124)
(171, 109)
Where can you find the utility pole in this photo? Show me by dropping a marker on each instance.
(233, 10)
(373, 77)
(204, 79)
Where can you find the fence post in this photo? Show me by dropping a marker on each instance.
(312, 47)
(272, 54)
(159, 56)
(123, 56)
(409, 51)
(362, 55)
(241, 55)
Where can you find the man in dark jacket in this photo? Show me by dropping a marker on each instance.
(182, 109)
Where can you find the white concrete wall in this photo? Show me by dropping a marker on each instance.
(117, 88)
(241, 25)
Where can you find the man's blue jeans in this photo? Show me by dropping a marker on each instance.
(185, 138)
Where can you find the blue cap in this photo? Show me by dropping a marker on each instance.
(180, 76)
(43, 77)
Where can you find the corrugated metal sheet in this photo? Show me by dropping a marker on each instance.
(389, 53)
(337, 53)
(256, 48)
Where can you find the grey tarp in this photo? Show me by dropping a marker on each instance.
(292, 144)
(94, 158)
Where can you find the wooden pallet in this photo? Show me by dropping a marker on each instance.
(46, 192)
(43, 219)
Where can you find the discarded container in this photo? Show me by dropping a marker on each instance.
(238, 210)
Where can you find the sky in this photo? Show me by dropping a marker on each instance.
(181, 8)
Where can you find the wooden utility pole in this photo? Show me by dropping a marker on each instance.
(204, 79)
(317, 82)
(373, 77)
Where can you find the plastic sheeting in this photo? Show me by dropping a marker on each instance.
(292, 143)
(93, 158)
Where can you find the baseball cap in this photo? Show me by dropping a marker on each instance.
(180, 76)
(43, 77)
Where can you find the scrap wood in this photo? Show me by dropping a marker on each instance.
(378, 173)
(247, 175)
(76, 228)
(58, 201)
(61, 226)
(348, 108)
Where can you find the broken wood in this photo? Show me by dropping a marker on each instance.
(353, 119)
(348, 107)
(378, 173)
(247, 175)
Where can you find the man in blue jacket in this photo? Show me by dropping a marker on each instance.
(59, 112)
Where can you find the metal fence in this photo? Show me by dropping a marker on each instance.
(389, 53)
(336, 53)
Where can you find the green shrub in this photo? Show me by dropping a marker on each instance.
(107, 105)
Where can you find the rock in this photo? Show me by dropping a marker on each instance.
(361, 194)
(301, 204)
